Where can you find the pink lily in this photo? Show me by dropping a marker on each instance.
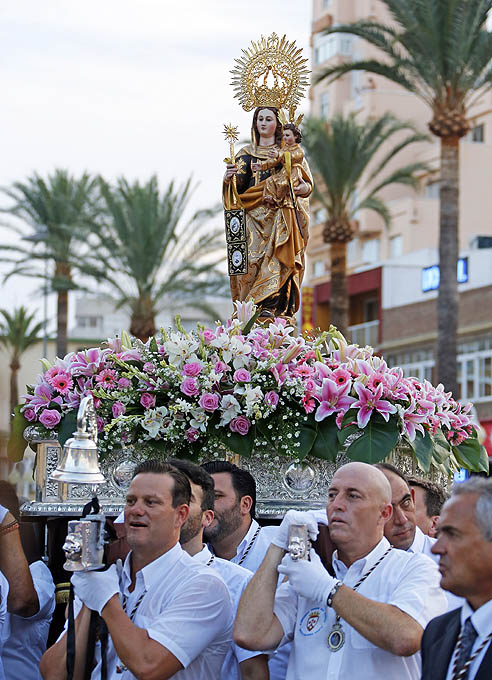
(333, 399)
(370, 401)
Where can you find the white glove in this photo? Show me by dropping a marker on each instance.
(96, 588)
(309, 579)
(281, 538)
(3, 512)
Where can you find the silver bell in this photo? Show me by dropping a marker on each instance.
(79, 463)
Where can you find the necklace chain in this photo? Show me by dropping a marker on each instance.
(249, 546)
(120, 667)
(336, 637)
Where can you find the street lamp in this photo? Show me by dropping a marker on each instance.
(38, 237)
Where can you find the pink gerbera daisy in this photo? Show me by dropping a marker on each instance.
(62, 382)
(107, 378)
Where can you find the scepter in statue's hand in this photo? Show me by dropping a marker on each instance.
(232, 135)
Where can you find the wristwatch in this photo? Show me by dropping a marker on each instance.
(333, 592)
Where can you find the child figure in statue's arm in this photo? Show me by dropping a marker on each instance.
(276, 192)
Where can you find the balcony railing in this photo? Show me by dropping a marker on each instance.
(365, 333)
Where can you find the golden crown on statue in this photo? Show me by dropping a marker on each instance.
(272, 72)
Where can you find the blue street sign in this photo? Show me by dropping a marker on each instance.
(461, 476)
(431, 275)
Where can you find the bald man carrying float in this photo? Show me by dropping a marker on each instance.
(366, 622)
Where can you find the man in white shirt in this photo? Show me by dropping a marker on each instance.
(167, 615)
(234, 534)
(402, 530)
(459, 643)
(429, 499)
(26, 636)
(240, 664)
(367, 622)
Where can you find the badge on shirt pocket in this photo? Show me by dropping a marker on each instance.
(312, 621)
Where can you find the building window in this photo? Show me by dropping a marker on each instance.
(477, 134)
(89, 321)
(432, 189)
(326, 4)
(370, 250)
(370, 310)
(325, 105)
(327, 46)
(318, 267)
(353, 251)
(396, 245)
(320, 215)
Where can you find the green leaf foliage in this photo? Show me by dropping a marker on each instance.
(326, 445)
(376, 442)
(241, 444)
(68, 425)
(423, 447)
(17, 444)
(469, 455)
(307, 436)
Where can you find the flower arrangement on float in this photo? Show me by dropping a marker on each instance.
(252, 387)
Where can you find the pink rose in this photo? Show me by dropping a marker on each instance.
(192, 368)
(240, 425)
(208, 335)
(209, 401)
(309, 385)
(242, 375)
(191, 434)
(190, 387)
(272, 398)
(149, 367)
(118, 409)
(50, 418)
(221, 367)
(147, 400)
(124, 382)
(100, 423)
(30, 414)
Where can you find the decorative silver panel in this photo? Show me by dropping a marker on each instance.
(282, 483)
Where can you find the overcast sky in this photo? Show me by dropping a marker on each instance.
(127, 87)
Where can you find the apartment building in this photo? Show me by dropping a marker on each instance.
(394, 273)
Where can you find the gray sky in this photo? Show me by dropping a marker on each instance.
(127, 87)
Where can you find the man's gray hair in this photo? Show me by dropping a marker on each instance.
(483, 508)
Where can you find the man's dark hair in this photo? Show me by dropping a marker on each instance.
(391, 468)
(434, 497)
(242, 481)
(198, 476)
(181, 492)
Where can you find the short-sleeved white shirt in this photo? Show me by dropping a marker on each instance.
(423, 544)
(187, 609)
(406, 580)
(4, 592)
(236, 579)
(27, 636)
(258, 549)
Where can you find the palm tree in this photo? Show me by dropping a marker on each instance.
(17, 333)
(350, 158)
(150, 257)
(59, 212)
(440, 51)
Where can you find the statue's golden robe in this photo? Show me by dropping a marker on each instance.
(277, 238)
